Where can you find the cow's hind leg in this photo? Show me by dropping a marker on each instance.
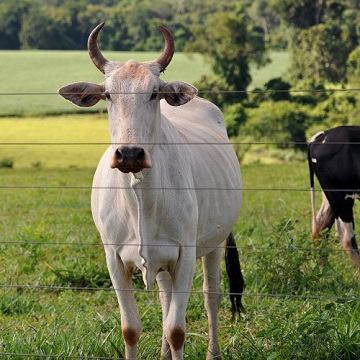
(212, 294)
(324, 219)
(346, 234)
(130, 320)
(164, 281)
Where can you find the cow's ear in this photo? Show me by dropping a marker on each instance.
(83, 94)
(177, 93)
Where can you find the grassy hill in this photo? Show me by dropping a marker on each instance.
(280, 61)
(29, 80)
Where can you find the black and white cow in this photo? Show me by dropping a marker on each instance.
(334, 157)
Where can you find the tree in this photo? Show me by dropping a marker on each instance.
(320, 52)
(261, 13)
(73, 29)
(300, 14)
(324, 32)
(278, 89)
(39, 31)
(116, 30)
(224, 40)
(90, 16)
(11, 16)
(353, 67)
(235, 115)
(282, 122)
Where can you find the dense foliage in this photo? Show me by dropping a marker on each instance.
(131, 25)
(323, 39)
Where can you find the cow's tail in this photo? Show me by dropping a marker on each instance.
(236, 279)
(315, 232)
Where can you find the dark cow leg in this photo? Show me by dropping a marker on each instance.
(324, 219)
(348, 241)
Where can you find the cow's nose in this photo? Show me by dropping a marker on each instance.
(128, 154)
(130, 159)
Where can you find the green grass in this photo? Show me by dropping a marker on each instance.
(49, 246)
(42, 73)
(295, 309)
(77, 141)
(39, 74)
(280, 62)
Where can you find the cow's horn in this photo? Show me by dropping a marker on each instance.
(97, 58)
(166, 56)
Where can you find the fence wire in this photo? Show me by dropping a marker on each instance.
(204, 91)
(191, 292)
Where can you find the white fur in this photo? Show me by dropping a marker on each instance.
(163, 218)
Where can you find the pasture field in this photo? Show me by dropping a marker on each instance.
(42, 73)
(29, 80)
(54, 141)
(56, 299)
(280, 62)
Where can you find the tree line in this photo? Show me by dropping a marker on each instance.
(322, 37)
(234, 34)
(131, 25)
(65, 24)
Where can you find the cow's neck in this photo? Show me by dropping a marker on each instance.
(147, 187)
(145, 229)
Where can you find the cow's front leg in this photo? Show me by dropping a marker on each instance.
(174, 325)
(122, 282)
(164, 281)
(212, 293)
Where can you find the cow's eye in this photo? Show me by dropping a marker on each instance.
(154, 95)
(107, 95)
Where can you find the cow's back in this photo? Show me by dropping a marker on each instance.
(199, 120)
(334, 157)
(214, 164)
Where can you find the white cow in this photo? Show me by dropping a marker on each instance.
(166, 192)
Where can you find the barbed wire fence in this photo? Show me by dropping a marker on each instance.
(85, 187)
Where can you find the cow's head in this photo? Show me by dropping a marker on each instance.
(132, 91)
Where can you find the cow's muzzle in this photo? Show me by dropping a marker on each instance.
(131, 159)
